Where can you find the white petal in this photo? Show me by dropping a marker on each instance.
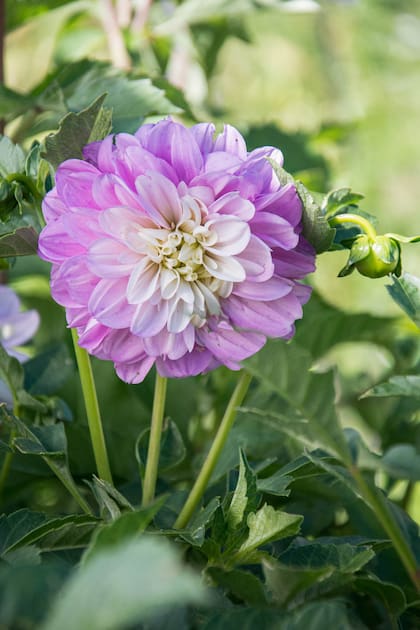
(179, 316)
(224, 268)
(169, 283)
(233, 235)
(143, 281)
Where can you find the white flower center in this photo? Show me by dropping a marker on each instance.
(190, 264)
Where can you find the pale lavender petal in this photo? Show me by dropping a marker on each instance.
(272, 289)
(233, 204)
(135, 372)
(230, 346)
(203, 134)
(22, 328)
(149, 319)
(191, 364)
(74, 180)
(9, 304)
(274, 230)
(108, 303)
(231, 141)
(159, 198)
(108, 258)
(256, 260)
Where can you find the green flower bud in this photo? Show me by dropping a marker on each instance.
(383, 257)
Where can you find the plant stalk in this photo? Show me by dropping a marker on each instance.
(153, 452)
(355, 219)
(213, 455)
(92, 410)
(390, 526)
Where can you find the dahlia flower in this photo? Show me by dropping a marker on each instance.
(16, 328)
(175, 247)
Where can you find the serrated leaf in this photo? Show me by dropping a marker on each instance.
(316, 229)
(48, 371)
(389, 594)
(125, 527)
(50, 443)
(76, 130)
(110, 501)
(244, 499)
(338, 199)
(405, 291)
(265, 526)
(284, 369)
(401, 461)
(276, 485)
(12, 157)
(23, 241)
(404, 385)
(196, 531)
(146, 576)
(243, 585)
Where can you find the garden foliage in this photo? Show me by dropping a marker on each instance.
(309, 518)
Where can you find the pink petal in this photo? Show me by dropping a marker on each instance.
(108, 258)
(231, 141)
(135, 372)
(203, 134)
(274, 230)
(256, 260)
(149, 319)
(267, 291)
(233, 235)
(159, 198)
(191, 364)
(108, 303)
(233, 204)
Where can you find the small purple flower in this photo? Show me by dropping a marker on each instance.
(175, 247)
(16, 328)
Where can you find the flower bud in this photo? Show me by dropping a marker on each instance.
(382, 258)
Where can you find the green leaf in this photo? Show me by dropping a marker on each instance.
(50, 443)
(276, 485)
(403, 239)
(77, 130)
(126, 526)
(110, 501)
(12, 157)
(401, 461)
(315, 226)
(405, 291)
(321, 615)
(284, 369)
(23, 241)
(123, 586)
(11, 372)
(196, 531)
(52, 534)
(48, 371)
(336, 200)
(265, 526)
(388, 594)
(172, 447)
(243, 585)
(244, 499)
(408, 385)
(334, 555)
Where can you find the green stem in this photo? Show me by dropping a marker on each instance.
(92, 411)
(152, 462)
(213, 455)
(390, 526)
(355, 219)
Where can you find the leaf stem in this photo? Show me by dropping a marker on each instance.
(387, 520)
(214, 453)
(92, 410)
(356, 219)
(153, 452)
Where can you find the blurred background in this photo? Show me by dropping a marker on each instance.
(334, 84)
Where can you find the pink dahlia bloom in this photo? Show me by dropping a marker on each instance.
(175, 247)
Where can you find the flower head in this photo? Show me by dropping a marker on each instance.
(16, 328)
(175, 247)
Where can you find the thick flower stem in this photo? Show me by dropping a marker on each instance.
(209, 465)
(386, 519)
(355, 219)
(92, 411)
(152, 462)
